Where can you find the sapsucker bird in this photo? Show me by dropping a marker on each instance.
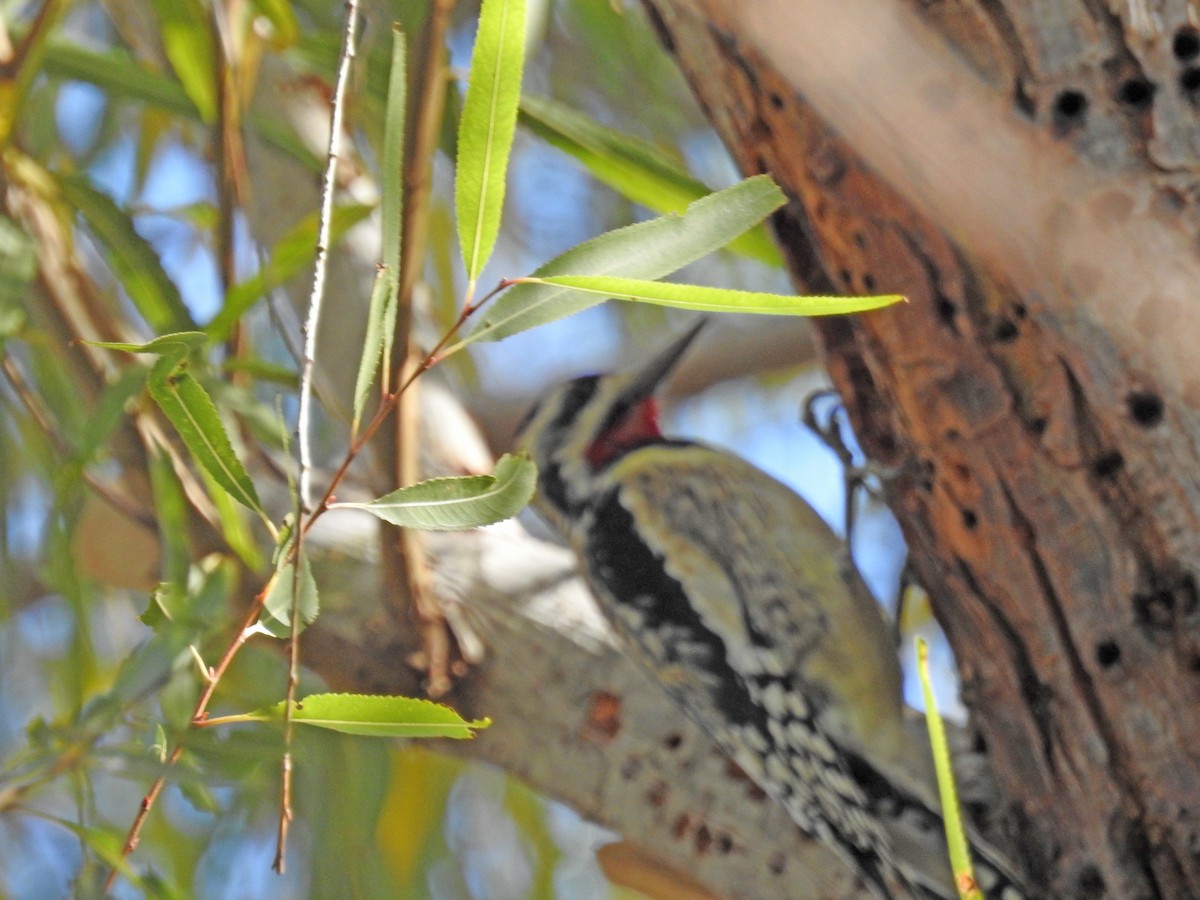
(730, 590)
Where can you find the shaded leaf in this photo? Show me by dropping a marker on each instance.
(649, 249)
(392, 199)
(18, 264)
(190, 409)
(370, 715)
(133, 260)
(449, 504)
(185, 402)
(374, 340)
(486, 128)
(635, 169)
(276, 616)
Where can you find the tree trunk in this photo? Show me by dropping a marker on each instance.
(1033, 196)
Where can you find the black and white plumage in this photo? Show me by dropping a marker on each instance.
(729, 589)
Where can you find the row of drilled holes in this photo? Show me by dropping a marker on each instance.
(1070, 106)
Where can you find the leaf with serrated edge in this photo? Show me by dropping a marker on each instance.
(710, 299)
(486, 128)
(449, 504)
(195, 417)
(191, 410)
(648, 249)
(370, 715)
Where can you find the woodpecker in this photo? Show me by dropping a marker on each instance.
(695, 557)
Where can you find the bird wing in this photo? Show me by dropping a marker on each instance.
(763, 570)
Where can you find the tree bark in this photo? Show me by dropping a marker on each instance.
(1036, 393)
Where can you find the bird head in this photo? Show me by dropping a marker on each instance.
(581, 426)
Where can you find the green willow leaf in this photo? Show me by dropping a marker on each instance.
(276, 616)
(369, 715)
(373, 340)
(187, 41)
(485, 134)
(633, 168)
(133, 261)
(956, 838)
(381, 314)
(191, 410)
(185, 402)
(449, 504)
(392, 199)
(648, 249)
(710, 299)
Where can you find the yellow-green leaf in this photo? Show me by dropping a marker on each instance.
(635, 169)
(485, 134)
(369, 715)
(649, 249)
(711, 299)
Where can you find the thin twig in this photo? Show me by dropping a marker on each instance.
(316, 298)
(304, 437)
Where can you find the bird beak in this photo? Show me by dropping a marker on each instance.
(643, 382)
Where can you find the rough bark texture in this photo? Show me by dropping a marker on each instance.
(1047, 485)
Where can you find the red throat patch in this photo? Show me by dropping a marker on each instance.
(639, 426)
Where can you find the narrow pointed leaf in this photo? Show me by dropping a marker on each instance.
(373, 341)
(276, 616)
(485, 135)
(185, 402)
(187, 41)
(710, 299)
(448, 504)
(177, 344)
(370, 715)
(633, 168)
(190, 409)
(956, 839)
(648, 249)
(392, 202)
(133, 261)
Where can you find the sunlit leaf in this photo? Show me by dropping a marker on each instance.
(635, 169)
(370, 715)
(649, 249)
(710, 299)
(956, 838)
(485, 134)
(448, 504)
(284, 28)
(187, 41)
